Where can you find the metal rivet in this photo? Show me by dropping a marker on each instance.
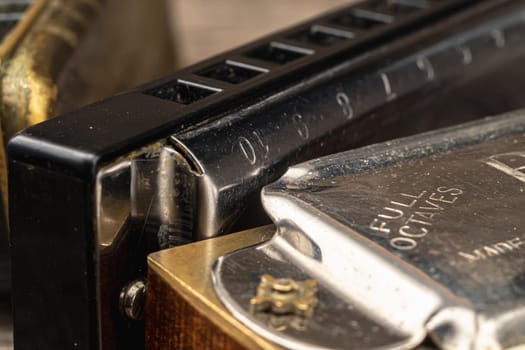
(132, 300)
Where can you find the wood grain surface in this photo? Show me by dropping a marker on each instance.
(182, 309)
(169, 319)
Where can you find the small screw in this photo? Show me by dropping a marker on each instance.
(132, 299)
(282, 296)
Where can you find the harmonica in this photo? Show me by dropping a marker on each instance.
(182, 159)
(408, 243)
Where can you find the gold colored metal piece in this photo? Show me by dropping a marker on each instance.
(283, 322)
(30, 57)
(285, 296)
(31, 67)
(7, 47)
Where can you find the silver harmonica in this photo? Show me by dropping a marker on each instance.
(384, 246)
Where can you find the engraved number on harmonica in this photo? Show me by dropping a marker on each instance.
(423, 63)
(248, 148)
(466, 54)
(302, 128)
(344, 101)
(390, 95)
(499, 38)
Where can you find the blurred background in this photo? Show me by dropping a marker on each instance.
(203, 28)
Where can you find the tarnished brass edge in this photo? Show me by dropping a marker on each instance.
(15, 36)
(187, 270)
(28, 86)
(42, 41)
(7, 47)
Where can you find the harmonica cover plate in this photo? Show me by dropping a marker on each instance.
(417, 236)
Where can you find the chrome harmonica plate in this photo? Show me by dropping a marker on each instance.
(414, 237)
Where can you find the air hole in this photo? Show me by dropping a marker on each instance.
(321, 35)
(231, 72)
(277, 53)
(397, 7)
(182, 92)
(358, 20)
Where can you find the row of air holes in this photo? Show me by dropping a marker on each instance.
(374, 14)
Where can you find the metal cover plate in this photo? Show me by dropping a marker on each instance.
(421, 235)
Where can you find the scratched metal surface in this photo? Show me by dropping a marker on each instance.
(421, 235)
(455, 216)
